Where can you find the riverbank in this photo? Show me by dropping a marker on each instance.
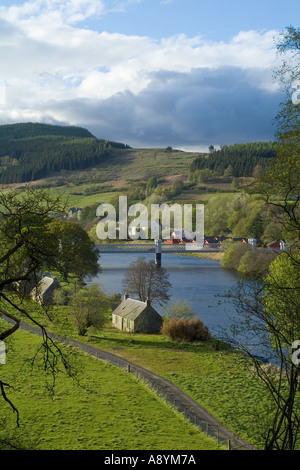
(210, 256)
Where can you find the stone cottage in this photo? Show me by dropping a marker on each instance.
(136, 317)
(43, 292)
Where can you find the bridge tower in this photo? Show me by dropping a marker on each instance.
(158, 253)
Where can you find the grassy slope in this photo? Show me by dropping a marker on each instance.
(107, 409)
(126, 167)
(216, 378)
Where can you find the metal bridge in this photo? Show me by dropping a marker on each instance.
(152, 248)
(157, 248)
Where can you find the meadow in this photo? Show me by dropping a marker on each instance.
(213, 374)
(104, 408)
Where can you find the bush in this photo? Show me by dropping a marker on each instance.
(185, 331)
(232, 256)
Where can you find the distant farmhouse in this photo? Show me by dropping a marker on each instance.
(43, 292)
(74, 213)
(136, 317)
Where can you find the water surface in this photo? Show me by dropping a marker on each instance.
(203, 283)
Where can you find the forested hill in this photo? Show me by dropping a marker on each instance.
(35, 129)
(242, 159)
(31, 151)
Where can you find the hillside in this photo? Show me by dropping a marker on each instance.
(68, 155)
(238, 160)
(32, 151)
(32, 129)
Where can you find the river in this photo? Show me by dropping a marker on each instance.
(202, 282)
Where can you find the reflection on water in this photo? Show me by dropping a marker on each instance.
(203, 283)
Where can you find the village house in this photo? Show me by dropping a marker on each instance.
(180, 236)
(136, 317)
(74, 213)
(44, 290)
(277, 245)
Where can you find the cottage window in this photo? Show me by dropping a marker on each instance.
(116, 319)
(128, 323)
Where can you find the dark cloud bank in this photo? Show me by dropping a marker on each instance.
(222, 106)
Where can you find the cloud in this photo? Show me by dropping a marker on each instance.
(194, 109)
(179, 90)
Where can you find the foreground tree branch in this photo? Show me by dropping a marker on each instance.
(32, 242)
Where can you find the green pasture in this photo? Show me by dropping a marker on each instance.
(212, 374)
(104, 408)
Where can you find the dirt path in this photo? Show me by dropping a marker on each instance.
(163, 387)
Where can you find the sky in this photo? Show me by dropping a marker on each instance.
(148, 73)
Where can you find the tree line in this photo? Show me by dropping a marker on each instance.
(35, 129)
(241, 159)
(27, 155)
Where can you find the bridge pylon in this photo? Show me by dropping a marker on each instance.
(158, 253)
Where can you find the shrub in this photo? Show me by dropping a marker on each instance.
(232, 256)
(181, 330)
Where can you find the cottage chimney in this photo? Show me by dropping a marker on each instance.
(125, 296)
(148, 302)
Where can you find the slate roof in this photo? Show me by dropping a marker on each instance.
(45, 285)
(130, 308)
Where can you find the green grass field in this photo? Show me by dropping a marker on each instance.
(216, 378)
(107, 409)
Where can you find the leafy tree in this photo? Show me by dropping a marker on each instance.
(147, 281)
(151, 185)
(284, 309)
(235, 184)
(288, 47)
(255, 264)
(179, 309)
(28, 247)
(269, 312)
(77, 253)
(88, 308)
(232, 256)
(268, 325)
(282, 312)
